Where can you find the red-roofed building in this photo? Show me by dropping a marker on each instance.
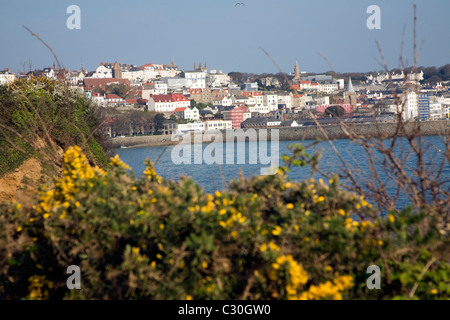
(113, 99)
(305, 85)
(99, 98)
(202, 95)
(187, 113)
(180, 100)
(179, 110)
(131, 101)
(256, 95)
(294, 87)
(167, 102)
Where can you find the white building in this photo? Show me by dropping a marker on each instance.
(435, 110)
(225, 101)
(149, 72)
(321, 100)
(271, 100)
(180, 100)
(175, 83)
(259, 98)
(196, 126)
(195, 79)
(285, 99)
(446, 110)
(102, 72)
(316, 87)
(242, 100)
(187, 113)
(218, 125)
(161, 103)
(410, 106)
(259, 108)
(167, 102)
(329, 88)
(273, 123)
(217, 79)
(113, 100)
(6, 77)
(98, 98)
(160, 87)
(133, 74)
(75, 77)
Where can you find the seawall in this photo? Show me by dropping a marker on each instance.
(325, 132)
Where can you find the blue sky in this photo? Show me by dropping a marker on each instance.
(226, 36)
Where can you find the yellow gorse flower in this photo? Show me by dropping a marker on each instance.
(116, 162)
(328, 290)
(78, 175)
(276, 231)
(151, 173)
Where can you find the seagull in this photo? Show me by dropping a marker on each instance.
(239, 4)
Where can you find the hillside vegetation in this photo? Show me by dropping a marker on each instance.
(41, 118)
(265, 238)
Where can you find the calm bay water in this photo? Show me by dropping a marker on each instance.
(209, 177)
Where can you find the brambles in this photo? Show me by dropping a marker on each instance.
(266, 238)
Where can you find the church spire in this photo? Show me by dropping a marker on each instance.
(195, 67)
(200, 67)
(350, 85)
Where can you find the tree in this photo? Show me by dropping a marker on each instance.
(158, 122)
(119, 89)
(236, 77)
(335, 111)
(201, 106)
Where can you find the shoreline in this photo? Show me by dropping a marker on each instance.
(326, 132)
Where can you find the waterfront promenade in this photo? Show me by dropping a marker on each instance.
(384, 130)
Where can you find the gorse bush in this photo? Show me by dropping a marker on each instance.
(265, 238)
(38, 116)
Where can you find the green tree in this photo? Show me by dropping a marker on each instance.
(119, 89)
(158, 122)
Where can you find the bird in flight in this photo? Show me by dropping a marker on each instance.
(239, 4)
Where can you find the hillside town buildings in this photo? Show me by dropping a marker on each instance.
(208, 99)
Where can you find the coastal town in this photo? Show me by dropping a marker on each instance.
(229, 158)
(204, 99)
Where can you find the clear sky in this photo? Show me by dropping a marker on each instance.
(225, 35)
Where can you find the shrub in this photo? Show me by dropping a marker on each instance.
(265, 238)
(37, 116)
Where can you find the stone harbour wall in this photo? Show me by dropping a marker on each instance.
(324, 132)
